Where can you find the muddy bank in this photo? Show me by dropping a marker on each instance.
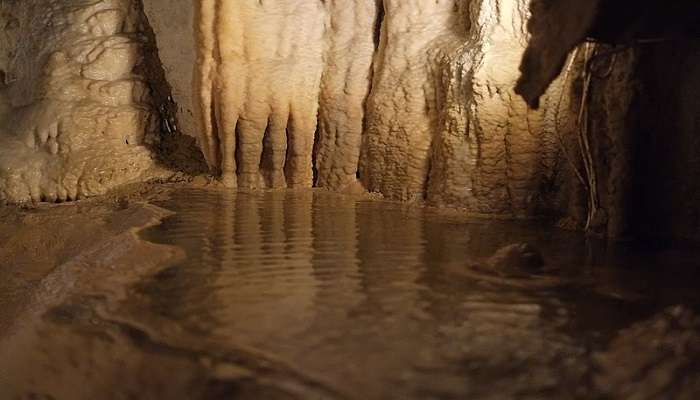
(37, 240)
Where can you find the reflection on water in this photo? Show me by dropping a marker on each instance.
(377, 300)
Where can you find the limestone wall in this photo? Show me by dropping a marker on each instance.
(75, 118)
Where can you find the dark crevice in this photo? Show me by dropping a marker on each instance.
(429, 172)
(378, 34)
(237, 151)
(267, 156)
(215, 131)
(381, 14)
(290, 144)
(314, 153)
(172, 148)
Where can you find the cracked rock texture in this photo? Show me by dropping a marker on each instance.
(74, 117)
(490, 153)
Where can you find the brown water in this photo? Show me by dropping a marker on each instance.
(313, 295)
(368, 299)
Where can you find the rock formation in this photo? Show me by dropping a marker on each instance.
(638, 118)
(75, 116)
(412, 100)
(415, 100)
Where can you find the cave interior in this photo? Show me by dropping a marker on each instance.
(352, 199)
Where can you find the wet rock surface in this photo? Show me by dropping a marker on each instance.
(76, 116)
(520, 256)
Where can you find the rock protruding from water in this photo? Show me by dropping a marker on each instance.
(518, 256)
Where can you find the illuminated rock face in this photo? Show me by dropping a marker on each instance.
(74, 115)
(413, 97)
(274, 76)
(259, 73)
(345, 85)
(443, 121)
(402, 109)
(490, 154)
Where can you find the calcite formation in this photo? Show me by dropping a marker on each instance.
(490, 153)
(410, 99)
(74, 114)
(259, 74)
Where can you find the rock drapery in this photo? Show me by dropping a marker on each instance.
(259, 69)
(270, 75)
(414, 98)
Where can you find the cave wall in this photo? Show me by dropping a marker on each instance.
(414, 100)
(490, 153)
(644, 123)
(402, 107)
(75, 117)
(667, 161)
(410, 99)
(173, 24)
(640, 113)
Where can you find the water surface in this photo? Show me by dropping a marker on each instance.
(372, 299)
